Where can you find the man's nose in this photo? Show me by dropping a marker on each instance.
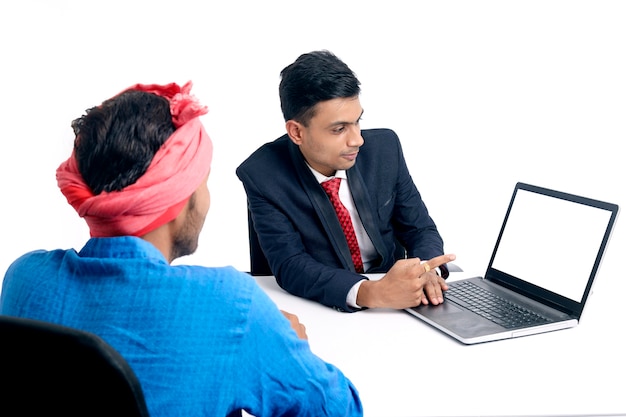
(355, 139)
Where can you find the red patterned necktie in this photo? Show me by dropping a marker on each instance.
(332, 189)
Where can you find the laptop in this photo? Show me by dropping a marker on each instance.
(542, 268)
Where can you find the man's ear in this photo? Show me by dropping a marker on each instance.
(294, 130)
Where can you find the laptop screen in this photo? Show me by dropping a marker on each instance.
(553, 242)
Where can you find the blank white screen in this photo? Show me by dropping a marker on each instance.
(551, 243)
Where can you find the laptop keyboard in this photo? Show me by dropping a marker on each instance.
(492, 307)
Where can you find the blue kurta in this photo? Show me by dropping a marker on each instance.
(202, 341)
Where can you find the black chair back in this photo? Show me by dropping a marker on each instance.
(258, 262)
(47, 369)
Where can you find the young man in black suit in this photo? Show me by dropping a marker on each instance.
(296, 223)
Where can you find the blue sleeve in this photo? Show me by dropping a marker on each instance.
(283, 376)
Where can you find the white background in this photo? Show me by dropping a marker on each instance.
(482, 94)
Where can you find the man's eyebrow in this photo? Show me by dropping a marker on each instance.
(339, 122)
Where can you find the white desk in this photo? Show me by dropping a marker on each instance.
(403, 367)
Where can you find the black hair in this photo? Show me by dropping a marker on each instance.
(116, 141)
(314, 77)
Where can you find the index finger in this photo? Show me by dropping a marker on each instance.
(438, 261)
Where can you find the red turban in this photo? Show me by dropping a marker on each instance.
(178, 168)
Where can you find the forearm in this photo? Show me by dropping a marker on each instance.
(305, 277)
(303, 382)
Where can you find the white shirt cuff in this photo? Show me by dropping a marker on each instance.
(351, 299)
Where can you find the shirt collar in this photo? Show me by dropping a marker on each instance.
(341, 173)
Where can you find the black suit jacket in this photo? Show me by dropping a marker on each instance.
(298, 229)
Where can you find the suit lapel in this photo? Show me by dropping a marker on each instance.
(365, 209)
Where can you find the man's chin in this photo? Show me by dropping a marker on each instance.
(185, 249)
(347, 163)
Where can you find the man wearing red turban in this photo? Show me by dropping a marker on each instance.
(202, 341)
